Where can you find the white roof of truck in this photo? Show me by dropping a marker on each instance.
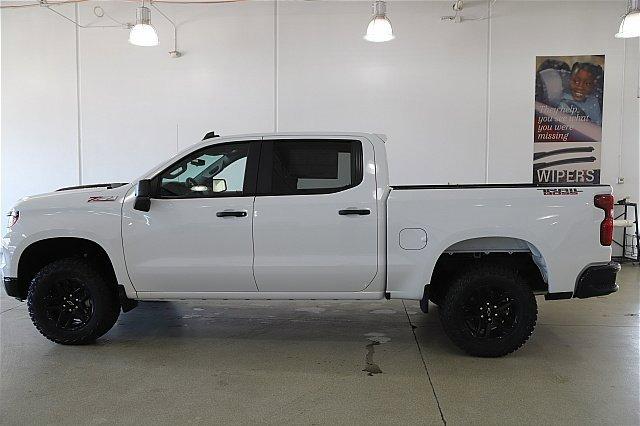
(303, 134)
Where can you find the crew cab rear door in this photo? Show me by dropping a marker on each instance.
(315, 217)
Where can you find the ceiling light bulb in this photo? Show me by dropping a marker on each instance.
(630, 25)
(379, 29)
(143, 33)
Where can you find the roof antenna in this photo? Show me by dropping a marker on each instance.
(210, 135)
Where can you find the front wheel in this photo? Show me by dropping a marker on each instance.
(489, 311)
(70, 302)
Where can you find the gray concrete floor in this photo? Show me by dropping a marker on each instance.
(291, 362)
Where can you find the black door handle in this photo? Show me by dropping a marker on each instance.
(229, 213)
(359, 212)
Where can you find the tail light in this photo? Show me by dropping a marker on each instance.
(605, 202)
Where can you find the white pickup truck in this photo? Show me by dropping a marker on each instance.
(307, 216)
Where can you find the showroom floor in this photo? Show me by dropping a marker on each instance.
(302, 362)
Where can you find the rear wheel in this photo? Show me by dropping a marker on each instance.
(489, 311)
(70, 302)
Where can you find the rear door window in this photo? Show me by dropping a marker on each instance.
(297, 167)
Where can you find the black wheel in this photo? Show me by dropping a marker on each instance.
(489, 311)
(71, 303)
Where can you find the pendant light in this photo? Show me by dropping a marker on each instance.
(630, 25)
(143, 33)
(379, 28)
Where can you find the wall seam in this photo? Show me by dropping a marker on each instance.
(78, 95)
(488, 95)
(275, 66)
(624, 77)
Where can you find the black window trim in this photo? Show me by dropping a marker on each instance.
(265, 167)
(250, 173)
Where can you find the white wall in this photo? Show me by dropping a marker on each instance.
(425, 89)
(39, 123)
(455, 99)
(570, 28)
(139, 106)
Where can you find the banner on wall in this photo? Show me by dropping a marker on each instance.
(568, 119)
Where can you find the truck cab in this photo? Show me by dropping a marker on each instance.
(277, 215)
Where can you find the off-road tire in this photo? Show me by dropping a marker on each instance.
(105, 307)
(480, 279)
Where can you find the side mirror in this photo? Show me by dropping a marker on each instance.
(143, 196)
(219, 185)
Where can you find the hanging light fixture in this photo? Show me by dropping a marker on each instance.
(143, 33)
(630, 25)
(379, 29)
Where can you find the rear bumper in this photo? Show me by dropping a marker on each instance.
(598, 280)
(14, 289)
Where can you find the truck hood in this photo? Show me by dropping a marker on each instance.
(95, 185)
(73, 197)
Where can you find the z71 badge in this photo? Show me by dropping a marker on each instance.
(560, 191)
(102, 198)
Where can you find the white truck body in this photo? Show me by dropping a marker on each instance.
(299, 246)
(302, 249)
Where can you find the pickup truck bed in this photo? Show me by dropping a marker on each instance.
(550, 223)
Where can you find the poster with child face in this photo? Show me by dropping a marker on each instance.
(568, 119)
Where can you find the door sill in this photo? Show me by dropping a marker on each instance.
(259, 295)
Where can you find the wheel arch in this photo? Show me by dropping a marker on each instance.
(44, 251)
(523, 254)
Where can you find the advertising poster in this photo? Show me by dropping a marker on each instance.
(568, 119)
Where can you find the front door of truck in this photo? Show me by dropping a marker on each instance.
(315, 216)
(196, 236)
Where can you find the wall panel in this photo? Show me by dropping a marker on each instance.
(39, 111)
(520, 31)
(425, 89)
(139, 106)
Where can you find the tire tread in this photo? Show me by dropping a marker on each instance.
(455, 292)
(106, 295)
